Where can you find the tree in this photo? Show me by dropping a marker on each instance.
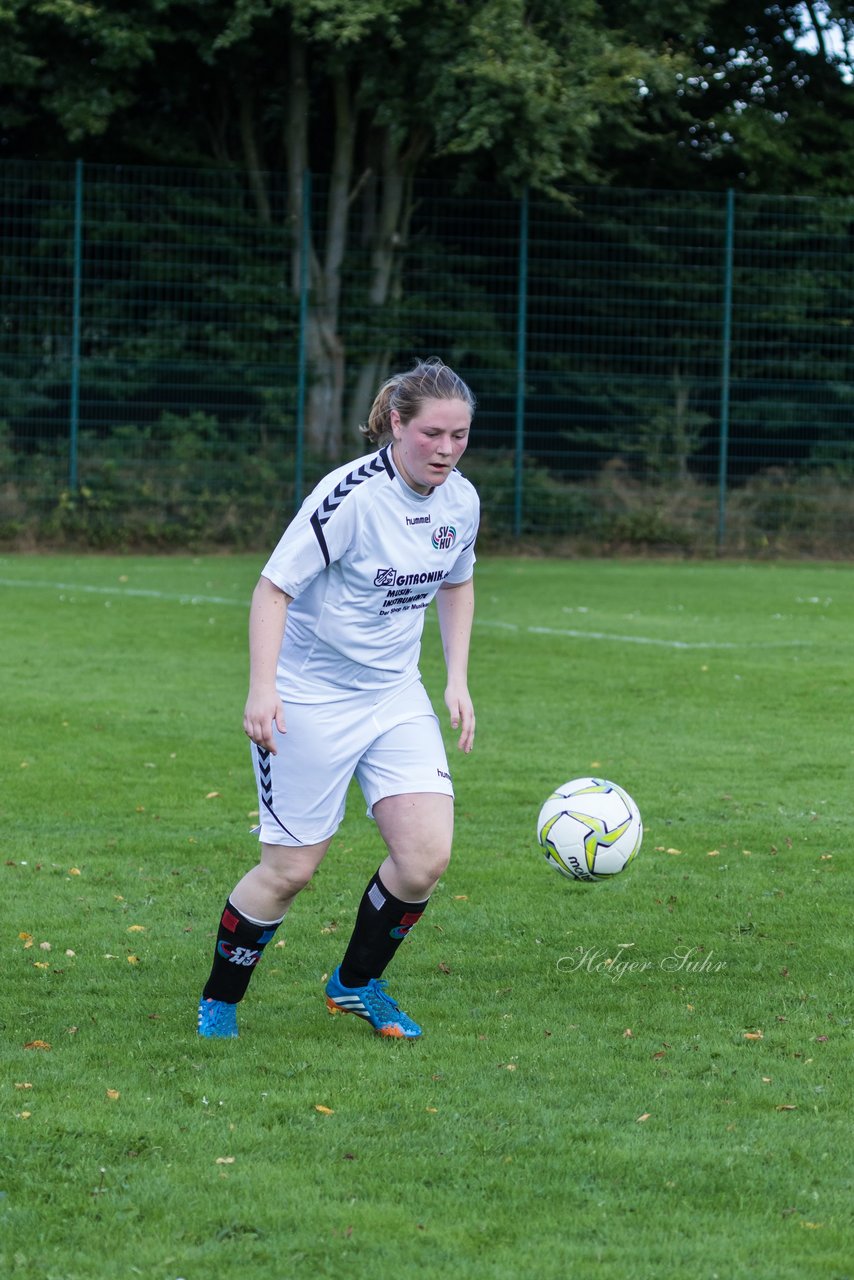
(70, 65)
(405, 83)
(764, 101)
(375, 94)
(372, 92)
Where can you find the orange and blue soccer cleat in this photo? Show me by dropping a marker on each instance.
(372, 1003)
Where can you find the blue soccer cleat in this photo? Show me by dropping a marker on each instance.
(374, 1005)
(217, 1020)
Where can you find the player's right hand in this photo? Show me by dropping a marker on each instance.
(261, 713)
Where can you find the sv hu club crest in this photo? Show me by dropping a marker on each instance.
(444, 537)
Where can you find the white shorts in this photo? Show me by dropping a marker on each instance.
(389, 741)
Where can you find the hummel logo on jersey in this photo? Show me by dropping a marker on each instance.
(417, 519)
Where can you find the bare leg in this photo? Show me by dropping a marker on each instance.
(266, 892)
(418, 830)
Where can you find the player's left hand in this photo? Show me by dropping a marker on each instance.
(460, 705)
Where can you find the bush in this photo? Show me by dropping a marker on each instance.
(189, 484)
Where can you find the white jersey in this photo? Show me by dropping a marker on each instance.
(363, 558)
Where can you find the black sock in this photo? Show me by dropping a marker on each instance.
(382, 922)
(240, 943)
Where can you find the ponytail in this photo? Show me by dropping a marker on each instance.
(406, 392)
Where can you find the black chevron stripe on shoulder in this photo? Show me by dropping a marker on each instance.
(384, 458)
(332, 501)
(351, 481)
(321, 540)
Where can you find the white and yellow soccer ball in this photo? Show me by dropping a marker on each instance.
(590, 829)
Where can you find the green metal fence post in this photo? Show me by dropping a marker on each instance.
(521, 345)
(302, 342)
(74, 408)
(726, 352)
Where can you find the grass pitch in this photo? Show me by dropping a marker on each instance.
(648, 1076)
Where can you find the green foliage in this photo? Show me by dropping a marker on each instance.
(808, 508)
(181, 483)
(74, 64)
(188, 483)
(525, 93)
(776, 92)
(547, 506)
(592, 1039)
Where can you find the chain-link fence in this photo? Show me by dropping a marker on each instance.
(183, 352)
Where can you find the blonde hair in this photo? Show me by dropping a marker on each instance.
(406, 392)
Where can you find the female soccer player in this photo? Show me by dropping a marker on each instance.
(335, 691)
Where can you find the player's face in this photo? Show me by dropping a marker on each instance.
(428, 447)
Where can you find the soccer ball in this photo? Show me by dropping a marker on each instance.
(590, 829)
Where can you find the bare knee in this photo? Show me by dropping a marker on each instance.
(418, 831)
(412, 876)
(282, 884)
(284, 871)
(434, 866)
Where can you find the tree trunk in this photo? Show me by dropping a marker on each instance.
(324, 346)
(296, 151)
(388, 222)
(681, 426)
(252, 157)
(326, 355)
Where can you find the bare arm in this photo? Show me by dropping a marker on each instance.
(267, 616)
(455, 604)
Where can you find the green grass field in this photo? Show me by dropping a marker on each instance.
(649, 1077)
